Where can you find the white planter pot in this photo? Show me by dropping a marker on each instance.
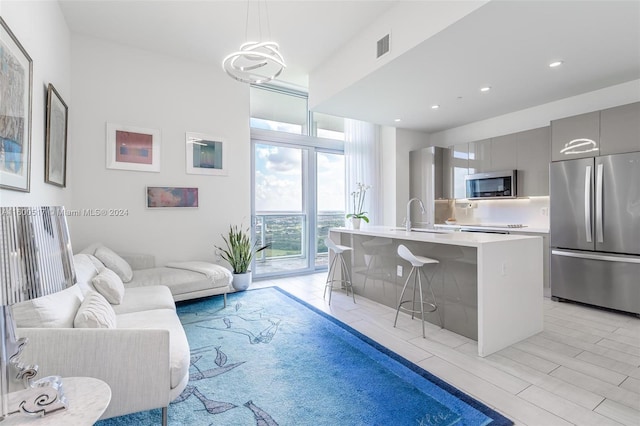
(241, 282)
(355, 222)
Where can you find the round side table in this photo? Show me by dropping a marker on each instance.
(88, 398)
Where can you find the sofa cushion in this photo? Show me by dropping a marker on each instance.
(85, 271)
(114, 262)
(179, 281)
(95, 312)
(164, 319)
(57, 310)
(139, 299)
(109, 285)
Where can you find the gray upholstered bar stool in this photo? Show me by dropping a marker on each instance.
(346, 284)
(417, 265)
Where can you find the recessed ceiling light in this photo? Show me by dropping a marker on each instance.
(555, 64)
(435, 106)
(397, 120)
(485, 89)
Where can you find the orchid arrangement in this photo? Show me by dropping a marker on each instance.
(358, 202)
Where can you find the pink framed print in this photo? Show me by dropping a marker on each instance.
(133, 148)
(171, 196)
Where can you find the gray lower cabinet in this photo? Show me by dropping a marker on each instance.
(532, 162)
(575, 137)
(620, 129)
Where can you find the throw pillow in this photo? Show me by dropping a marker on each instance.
(114, 262)
(109, 285)
(95, 312)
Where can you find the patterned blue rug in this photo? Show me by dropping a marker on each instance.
(270, 359)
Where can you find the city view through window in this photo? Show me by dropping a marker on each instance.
(283, 211)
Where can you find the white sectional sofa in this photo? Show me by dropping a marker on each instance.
(186, 280)
(137, 345)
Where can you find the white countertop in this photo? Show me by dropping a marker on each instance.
(467, 239)
(490, 227)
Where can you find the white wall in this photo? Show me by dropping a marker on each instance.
(541, 115)
(122, 85)
(42, 31)
(388, 196)
(396, 145)
(406, 141)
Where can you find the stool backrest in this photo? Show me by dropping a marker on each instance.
(406, 254)
(330, 244)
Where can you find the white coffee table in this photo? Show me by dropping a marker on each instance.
(88, 398)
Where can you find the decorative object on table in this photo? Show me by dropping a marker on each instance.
(133, 148)
(55, 160)
(35, 260)
(205, 155)
(358, 206)
(255, 62)
(250, 357)
(170, 196)
(15, 112)
(239, 252)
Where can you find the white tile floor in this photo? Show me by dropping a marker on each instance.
(583, 369)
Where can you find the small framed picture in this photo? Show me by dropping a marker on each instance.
(171, 197)
(133, 148)
(55, 163)
(16, 89)
(205, 155)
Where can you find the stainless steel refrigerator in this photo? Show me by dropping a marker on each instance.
(595, 231)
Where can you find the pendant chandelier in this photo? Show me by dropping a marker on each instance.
(256, 61)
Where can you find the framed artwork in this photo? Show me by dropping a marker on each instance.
(133, 148)
(170, 196)
(55, 160)
(16, 80)
(205, 155)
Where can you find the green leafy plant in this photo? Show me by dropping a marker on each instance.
(239, 249)
(358, 202)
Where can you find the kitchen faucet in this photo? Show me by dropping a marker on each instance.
(408, 217)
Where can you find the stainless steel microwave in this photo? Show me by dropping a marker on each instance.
(491, 185)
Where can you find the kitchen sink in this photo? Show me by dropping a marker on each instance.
(425, 230)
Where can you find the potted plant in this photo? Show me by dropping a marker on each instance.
(358, 206)
(239, 252)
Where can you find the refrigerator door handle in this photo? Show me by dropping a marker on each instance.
(587, 203)
(596, 256)
(598, 209)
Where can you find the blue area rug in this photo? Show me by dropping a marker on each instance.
(271, 359)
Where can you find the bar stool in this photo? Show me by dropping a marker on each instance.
(346, 284)
(417, 264)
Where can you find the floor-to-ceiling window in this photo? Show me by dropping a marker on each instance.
(298, 182)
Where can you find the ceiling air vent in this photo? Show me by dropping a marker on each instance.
(383, 46)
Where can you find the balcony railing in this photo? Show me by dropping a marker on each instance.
(287, 236)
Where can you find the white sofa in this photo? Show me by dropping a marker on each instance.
(144, 355)
(186, 280)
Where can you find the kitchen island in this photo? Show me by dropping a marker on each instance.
(489, 287)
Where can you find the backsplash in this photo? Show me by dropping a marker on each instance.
(532, 212)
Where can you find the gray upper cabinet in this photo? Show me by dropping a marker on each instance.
(503, 153)
(455, 168)
(575, 137)
(480, 156)
(533, 157)
(620, 129)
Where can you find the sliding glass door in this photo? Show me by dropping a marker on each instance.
(298, 194)
(330, 196)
